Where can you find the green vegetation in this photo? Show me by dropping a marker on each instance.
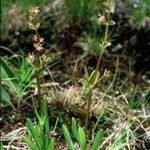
(139, 10)
(11, 11)
(39, 136)
(71, 68)
(80, 10)
(16, 77)
(80, 137)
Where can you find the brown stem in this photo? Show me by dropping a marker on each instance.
(39, 97)
(106, 33)
(99, 60)
(97, 67)
(101, 54)
(89, 96)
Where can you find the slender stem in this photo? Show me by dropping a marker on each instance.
(99, 59)
(106, 33)
(38, 84)
(90, 91)
(88, 109)
(103, 49)
(39, 96)
(110, 84)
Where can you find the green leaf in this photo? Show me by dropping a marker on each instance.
(5, 95)
(42, 139)
(31, 145)
(6, 71)
(94, 77)
(102, 112)
(47, 128)
(111, 22)
(47, 141)
(33, 132)
(51, 144)
(121, 140)
(7, 74)
(41, 118)
(74, 129)
(37, 25)
(82, 138)
(7, 50)
(24, 71)
(68, 138)
(1, 147)
(98, 139)
(10, 79)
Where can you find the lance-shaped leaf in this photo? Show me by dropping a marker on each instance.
(82, 138)
(74, 129)
(98, 139)
(68, 138)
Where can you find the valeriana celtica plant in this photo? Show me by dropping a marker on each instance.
(91, 81)
(35, 57)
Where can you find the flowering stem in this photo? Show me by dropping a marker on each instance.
(39, 96)
(103, 49)
(38, 45)
(106, 33)
(89, 97)
(89, 102)
(99, 59)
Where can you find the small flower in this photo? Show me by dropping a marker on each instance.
(108, 44)
(105, 44)
(30, 24)
(36, 37)
(102, 19)
(39, 47)
(35, 10)
(107, 73)
(31, 58)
